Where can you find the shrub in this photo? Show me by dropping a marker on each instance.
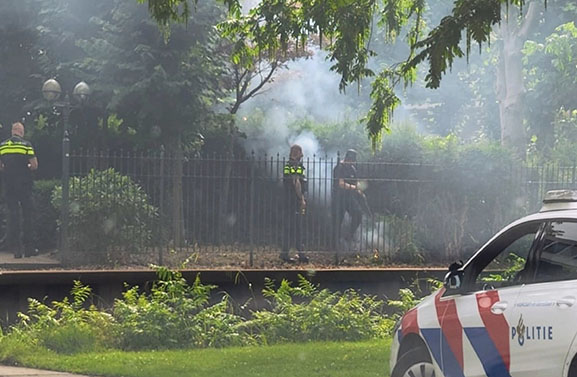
(70, 338)
(175, 315)
(45, 215)
(402, 144)
(456, 196)
(107, 210)
(65, 326)
(410, 296)
(475, 194)
(13, 346)
(305, 313)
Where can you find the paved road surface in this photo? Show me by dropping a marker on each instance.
(27, 372)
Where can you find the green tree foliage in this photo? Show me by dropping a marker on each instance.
(347, 25)
(163, 88)
(19, 62)
(551, 76)
(159, 87)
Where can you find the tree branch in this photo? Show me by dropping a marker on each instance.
(528, 20)
(273, 68)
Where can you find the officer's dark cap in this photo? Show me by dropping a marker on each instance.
(351, 155)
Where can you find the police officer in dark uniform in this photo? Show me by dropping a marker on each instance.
(345, 192)
(17, 161)
(294, 182)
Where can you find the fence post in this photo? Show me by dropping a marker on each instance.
(161, 209)
(336, 223)
(64, 245)
(251, 213)
(573, 175)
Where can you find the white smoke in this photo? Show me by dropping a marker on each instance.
(308, 143)
(305, 90)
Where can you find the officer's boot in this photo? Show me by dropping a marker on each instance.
(18, 251)
(284, 256)
(30, 251)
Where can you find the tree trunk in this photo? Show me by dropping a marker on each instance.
(510, 87)
(510, 96)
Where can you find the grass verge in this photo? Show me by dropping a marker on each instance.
(320, 359)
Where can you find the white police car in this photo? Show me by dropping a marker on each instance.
(518, 324)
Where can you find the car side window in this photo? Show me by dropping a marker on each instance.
(505, 261)
(557, 258)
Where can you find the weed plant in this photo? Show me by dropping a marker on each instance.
(305, 313)
(410, 296)
(67, 326)
(174, 314)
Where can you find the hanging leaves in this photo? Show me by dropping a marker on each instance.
(270, 27)
(385, 101)
(166, 11)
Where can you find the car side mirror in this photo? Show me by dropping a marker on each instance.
(454, 278)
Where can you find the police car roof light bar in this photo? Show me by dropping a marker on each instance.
(556, 200)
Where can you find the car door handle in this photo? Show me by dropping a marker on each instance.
(566, 302)
(499, 307)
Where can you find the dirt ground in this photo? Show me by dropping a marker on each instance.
(233, 258)
(267, 259)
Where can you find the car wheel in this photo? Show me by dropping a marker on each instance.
(573, 368)
(415, 363)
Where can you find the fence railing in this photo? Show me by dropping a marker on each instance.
(213, 211)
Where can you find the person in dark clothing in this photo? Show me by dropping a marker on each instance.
(17, 161)
(345, 192)
(294, 182)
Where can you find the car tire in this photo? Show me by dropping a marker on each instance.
(573, 367)
(414, 363)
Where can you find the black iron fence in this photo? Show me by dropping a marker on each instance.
(214, 211)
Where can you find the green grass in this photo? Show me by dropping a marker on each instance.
(321, 359)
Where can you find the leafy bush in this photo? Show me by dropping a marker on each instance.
(305, 313)
(45, 215)
(410, 296)
(65, 326)
(476, 193)
(107, 210)
(175, 315)
(71, 338)
(13, 346)
(456, 196)
(402, 144)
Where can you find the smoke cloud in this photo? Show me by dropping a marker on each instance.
(306, 90)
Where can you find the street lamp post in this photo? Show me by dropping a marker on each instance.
(51, 91)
